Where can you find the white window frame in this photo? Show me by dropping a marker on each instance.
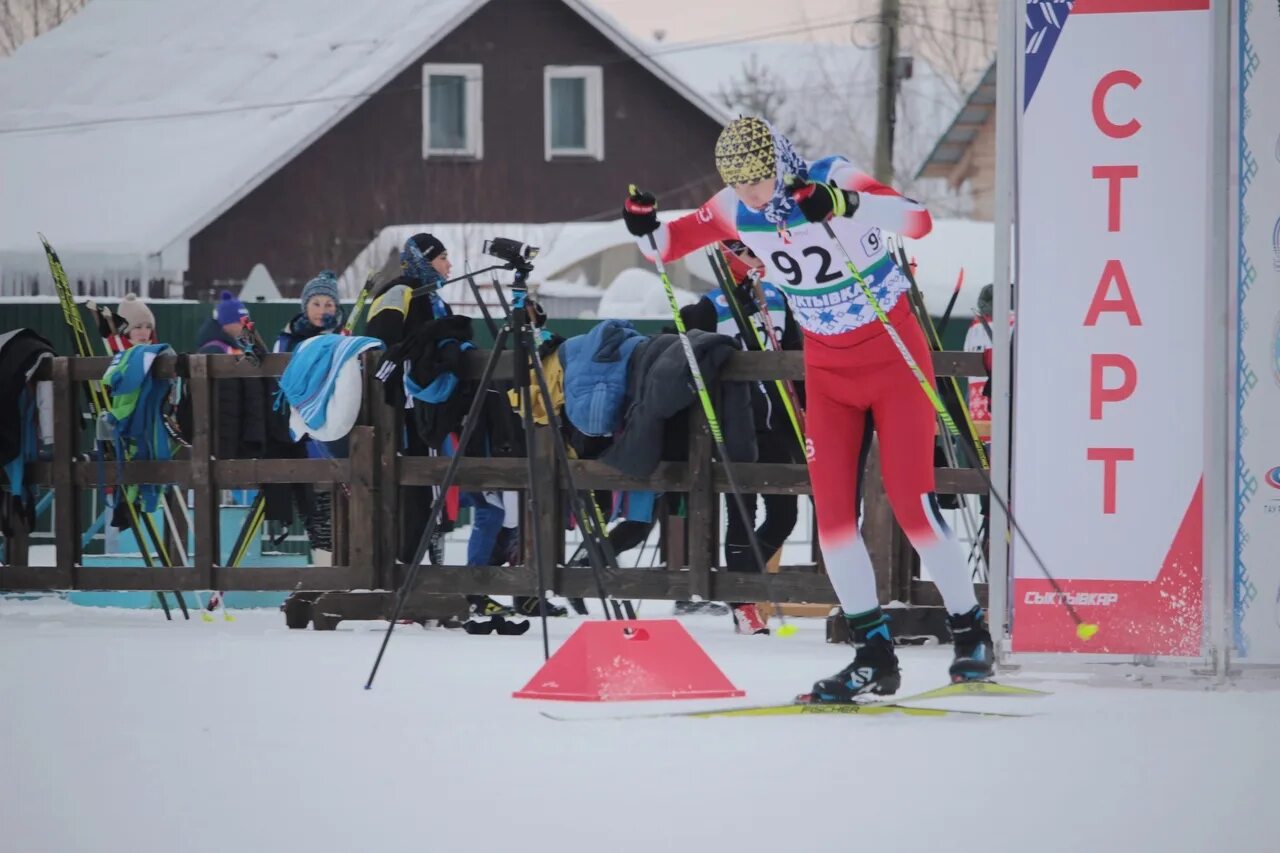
(474, 75)
(594, 93)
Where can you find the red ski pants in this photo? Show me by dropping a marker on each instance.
(852, 389)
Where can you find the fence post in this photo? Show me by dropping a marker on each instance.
(546, 482)
(66, 526)
(207, 549)
(362, 539)
(702, 506)
(17, 546)
(386, 427)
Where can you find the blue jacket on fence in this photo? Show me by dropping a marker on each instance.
(595, 375)
(137, 401)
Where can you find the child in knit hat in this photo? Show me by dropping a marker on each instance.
(131, 324)
(140, 322)
(321, 313)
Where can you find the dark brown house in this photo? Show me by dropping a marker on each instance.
(213, 143)
(526, 111)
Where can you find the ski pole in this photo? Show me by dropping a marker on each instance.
(1084, 630)
(785, 630)
(724, 277)
(951, 304)
(791, 398)
(926, 324)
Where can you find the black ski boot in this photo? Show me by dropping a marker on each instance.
(488, 616)
(875, 665)
(483, 607)
(975, 655)
(714, 608)
(527, 605)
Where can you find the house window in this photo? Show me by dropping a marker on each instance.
(573, 98)
(452, 118)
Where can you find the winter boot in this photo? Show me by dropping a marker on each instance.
(975, 656)
(504, 627)
(482, 607)
(875, 665)
(747, 620)
(714, 608)
(527, 605)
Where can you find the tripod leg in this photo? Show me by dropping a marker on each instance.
(522, 349)
(437, 508)
(599, 551)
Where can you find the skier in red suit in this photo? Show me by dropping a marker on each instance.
(777, 204)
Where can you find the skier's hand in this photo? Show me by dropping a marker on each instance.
(640, 212)
(820, 202)
(105, 319)
(746, 301)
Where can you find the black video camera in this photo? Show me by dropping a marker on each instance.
(518, 255)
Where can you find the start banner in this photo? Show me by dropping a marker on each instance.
(1257, 375)
(1108, 393)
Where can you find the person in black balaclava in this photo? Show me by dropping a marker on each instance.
(424, 262)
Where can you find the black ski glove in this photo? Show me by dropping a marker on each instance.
(820, 202)
(108, 323)
(640, 212)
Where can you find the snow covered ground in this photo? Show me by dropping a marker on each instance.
(121, 732)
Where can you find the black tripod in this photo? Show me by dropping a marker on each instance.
(526, 359)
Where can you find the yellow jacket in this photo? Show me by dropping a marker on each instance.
(555, 383)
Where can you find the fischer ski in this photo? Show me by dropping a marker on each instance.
(802, 705)
(99, 402)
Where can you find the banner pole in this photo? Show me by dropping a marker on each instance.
(1008, 71)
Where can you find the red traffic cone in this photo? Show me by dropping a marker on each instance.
(634, 659)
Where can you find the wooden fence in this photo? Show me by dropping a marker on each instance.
(366, 526)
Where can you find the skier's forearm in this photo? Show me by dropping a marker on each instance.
(883, 206)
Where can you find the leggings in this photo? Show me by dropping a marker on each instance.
(776, 445)
(853, 391)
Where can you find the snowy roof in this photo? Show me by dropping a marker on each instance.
(137, 122)
(964, 128)
(954, 244)
(638, 294)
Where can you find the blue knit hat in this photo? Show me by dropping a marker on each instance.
(324, 284)
(230, 310)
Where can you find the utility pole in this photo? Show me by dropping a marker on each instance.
(895, 561)
(888, 79)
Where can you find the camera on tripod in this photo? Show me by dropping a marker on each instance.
(518, 255)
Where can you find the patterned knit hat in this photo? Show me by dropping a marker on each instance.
(745, 152)
(324, 284)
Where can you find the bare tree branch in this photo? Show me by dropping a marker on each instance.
(21, 20)
(759, 92)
